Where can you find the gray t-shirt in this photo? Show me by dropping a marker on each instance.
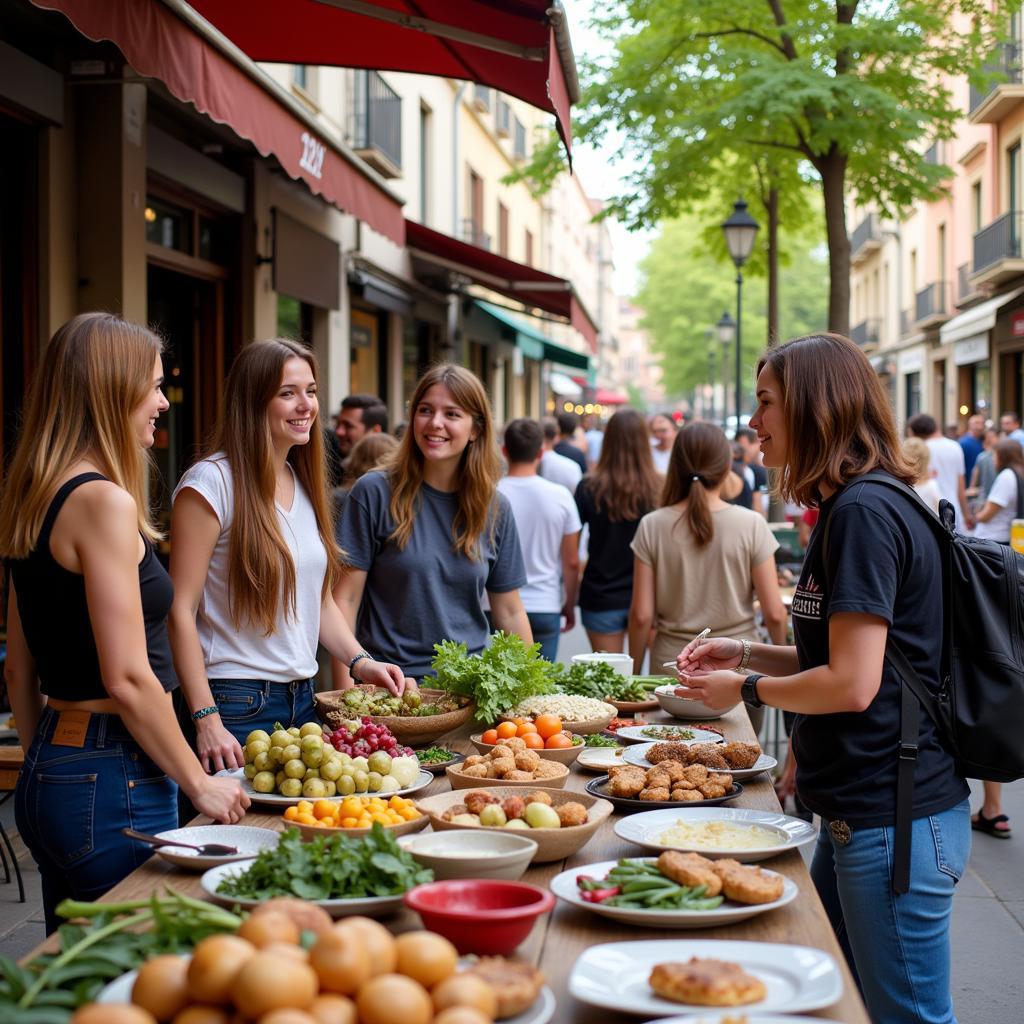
(427, 592)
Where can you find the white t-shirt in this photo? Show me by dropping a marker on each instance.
(544, 513)
(948, 465)
(245, 653)
(661, 459)
(560, 470)
(1004, 494)
(929, 490)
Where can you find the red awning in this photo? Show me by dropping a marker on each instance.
(605, 397)
(520, 48)
(516, 280)
(158, 44)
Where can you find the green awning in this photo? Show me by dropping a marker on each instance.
(532, 342)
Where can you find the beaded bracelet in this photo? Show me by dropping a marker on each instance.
(352, 664)
(203, 712)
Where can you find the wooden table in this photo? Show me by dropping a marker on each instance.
(559, 939)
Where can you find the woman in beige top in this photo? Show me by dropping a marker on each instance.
(699, 561)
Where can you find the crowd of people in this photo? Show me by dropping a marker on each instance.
(289, 534)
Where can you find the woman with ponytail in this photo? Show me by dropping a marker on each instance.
(699, 561)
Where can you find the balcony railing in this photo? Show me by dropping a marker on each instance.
(378, 123)
(503, 119)
(473, 233)
(518, 139)
(932, 301)
(483, 98)
(1000, 240)
(1005, 61)
(867, 332)
(867, 231)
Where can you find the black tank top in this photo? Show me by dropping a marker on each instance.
(55, 617)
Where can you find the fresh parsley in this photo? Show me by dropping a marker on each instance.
(599, 680)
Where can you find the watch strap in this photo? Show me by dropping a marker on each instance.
(748, 691)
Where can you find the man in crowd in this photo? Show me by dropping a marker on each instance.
(947, 463)
(595, 438)
(1009, 423)
(549, 531)
(567, 424)
(359, 415)
(554, 467)
(756, 475)
(972, 443)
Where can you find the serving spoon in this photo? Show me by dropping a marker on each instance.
(206, 850)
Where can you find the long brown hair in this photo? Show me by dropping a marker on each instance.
(624, 483)
(479, 468)
(1009, 455)
(95, 372)
(368, 453)
(838, 421)
(261, 573)
(701, 459)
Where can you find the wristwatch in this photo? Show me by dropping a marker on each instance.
(748, 691)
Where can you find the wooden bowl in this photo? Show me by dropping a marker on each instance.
(310, 832)
(552, 843)
(566, 755)
(462, 781)
(409, 730)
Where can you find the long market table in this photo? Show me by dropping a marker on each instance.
(557, 940)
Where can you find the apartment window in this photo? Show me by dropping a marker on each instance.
(378, 123)
(473, 225)
(518, 139)
(941, 243)
(502, 229)
(529, 248)
(1013, 177)
(913, 272)
(300, 75)
(426, 124)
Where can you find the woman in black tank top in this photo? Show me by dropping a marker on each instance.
(88, 662)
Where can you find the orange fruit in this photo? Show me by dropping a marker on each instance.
(558, 742)
(518, 722)
(508, 729)
(490, 736)
(548, 725)
(525, 728)
(533, 741)
(324, 808)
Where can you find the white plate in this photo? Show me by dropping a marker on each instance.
(247, 839)
(370, 906)
(565, 888)
(645, 827)
(637, 754)
(600, 759)
(614, 975)
(730, 1015)
(635, 733)
(543, 1009)
(275, 799)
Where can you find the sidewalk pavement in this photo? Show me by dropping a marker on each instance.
(988, 909)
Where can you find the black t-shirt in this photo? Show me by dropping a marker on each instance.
(883, 560)
(745, 499)
(608, 578)
(570, 451)
(760, 476)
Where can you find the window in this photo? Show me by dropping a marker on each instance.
(913, 394)
(426, 121)
(502, 229)
(529, 248)
(1013, 203)
(300, 76)
(976, 220)
(941, 256)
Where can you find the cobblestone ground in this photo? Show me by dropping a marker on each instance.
(988, 911)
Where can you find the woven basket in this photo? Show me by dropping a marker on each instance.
(408, 730)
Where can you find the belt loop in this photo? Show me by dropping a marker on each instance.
(266, 689)
(101, 731)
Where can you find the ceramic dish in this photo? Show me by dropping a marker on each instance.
(635, 734)
(403, 828)
(563, 755)
(637, 754)
(685, 707)
(565, 888)
(632, 707)
(437, 767)
(470, 853)
(367, 906)
(729, 1016)
(409, 730)
(600, 759)
(601, 787)
(645, 828)
(552, 843)
(276, 800)
(248, 840)
(461, 781)
(614, 975)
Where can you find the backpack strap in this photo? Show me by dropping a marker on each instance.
(1020, 495)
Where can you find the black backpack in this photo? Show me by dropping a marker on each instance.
(979, 709)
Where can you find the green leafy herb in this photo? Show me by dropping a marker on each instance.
(597, 740)
(601, 681)
(502, 675)
(668, 732)
(433, 755)
(329, 868)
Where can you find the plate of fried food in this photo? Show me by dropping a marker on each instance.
(657, 978)
(740, 760)
(668, 784)
(674, 890)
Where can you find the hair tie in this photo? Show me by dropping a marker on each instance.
(695, 478)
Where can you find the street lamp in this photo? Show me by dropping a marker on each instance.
(726, 331)
(739, 230)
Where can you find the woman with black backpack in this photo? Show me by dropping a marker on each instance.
(869, 579)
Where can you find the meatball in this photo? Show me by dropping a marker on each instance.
(527, 760)
(518, 776)
(572, 813)
(538, 796)
(455, 810)
(475, 771)
(514, 807)
(655, 793)
(547, 769)
(473, 759)
(478, 799)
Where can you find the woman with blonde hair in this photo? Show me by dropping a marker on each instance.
(428, 535)
(367, 453)
(253, 559)
(623, 487)
(919, 457)
(888, 855)
(89, 667)
(699, 561)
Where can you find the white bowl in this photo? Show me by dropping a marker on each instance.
(622, 663)
(683, 707)
(246, 839)
(466, 854)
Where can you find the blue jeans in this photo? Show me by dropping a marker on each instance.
(247, 704)
(72, 802)
(897, 946)
(546, 628)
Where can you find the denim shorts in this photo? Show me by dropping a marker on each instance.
(72, 802)
(614, 621)
(247, 704)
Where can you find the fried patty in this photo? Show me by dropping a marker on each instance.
(706, 983)
(516, 984)
(690, 869)
(745, 883)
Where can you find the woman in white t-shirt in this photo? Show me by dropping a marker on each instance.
(253, 560)
(996, 516)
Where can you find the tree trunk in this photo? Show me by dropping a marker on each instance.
(772, 206)
(832, 168)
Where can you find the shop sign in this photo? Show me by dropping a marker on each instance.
(360, 336)
(1017, 324)
(971, 350)
(911, 362)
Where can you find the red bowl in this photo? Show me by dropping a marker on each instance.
(480, 915)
